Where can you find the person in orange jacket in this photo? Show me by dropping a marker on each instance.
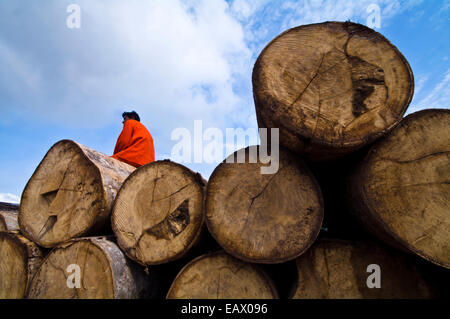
(134, 145)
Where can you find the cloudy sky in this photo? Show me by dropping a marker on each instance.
(173, 62)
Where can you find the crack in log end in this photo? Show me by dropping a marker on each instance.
(50, 196)
(173, 224)
(179, 219)
(360, 93)
(51, 221)
(364, 78)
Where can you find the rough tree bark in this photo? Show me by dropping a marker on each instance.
(19, 260)
(335, 269)
(105, 273)
(400, 191)
(70, 194)
(221, 276)
(8, 217)
(264, 218)
(331, 88)
(158, 213)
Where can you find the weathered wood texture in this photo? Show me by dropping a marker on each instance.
(105, 272)
(400, 191)
(331, 88)
(221, 276)
(334, 269)
(19, 260)
(264, 218)
(70, 194)
(158, 213)
(8, 217)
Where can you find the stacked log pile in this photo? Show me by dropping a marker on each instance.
(358, 207)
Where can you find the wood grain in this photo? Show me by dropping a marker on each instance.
(331, 88)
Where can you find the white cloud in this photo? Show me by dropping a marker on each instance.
(170, 61)
(20, 74)
(420, 81)
(439, 97)
(9, 198)
(314, 11)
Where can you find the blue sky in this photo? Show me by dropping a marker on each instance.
(173, 62)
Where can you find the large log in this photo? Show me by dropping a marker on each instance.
(220, 276)
(335, 269)
(70, 194)
(19, 260)
(8, 217)
(104, 273)
(400, 191)
(331, 88)
(263, 218)
(158, 213)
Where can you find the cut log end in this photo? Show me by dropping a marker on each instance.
(86, 268)
(264, 218)
(69, 194)
(158, 214)
(400, 191)
(331, 87)
(221, 276)
(19, 259)
(334, 269)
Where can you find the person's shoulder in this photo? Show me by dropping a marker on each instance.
(137, 124)
(131, 122)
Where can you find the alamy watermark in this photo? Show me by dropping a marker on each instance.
(73, 21)
(74, 279)
(211, 145)
(374, 19)
(374, 279)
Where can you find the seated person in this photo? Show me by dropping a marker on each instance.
(135, 143)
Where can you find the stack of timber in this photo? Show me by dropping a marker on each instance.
(70, 195)
(358, 191)
(334, 89)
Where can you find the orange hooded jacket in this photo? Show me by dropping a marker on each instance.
(134, 145)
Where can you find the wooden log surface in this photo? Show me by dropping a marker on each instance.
(336, 269)
(400, 191)
(70, 194)
(264, 218)
(105, 272)
(220, 276)
(19, 261)
(8, 217)
(331, 88)
(158, 213)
